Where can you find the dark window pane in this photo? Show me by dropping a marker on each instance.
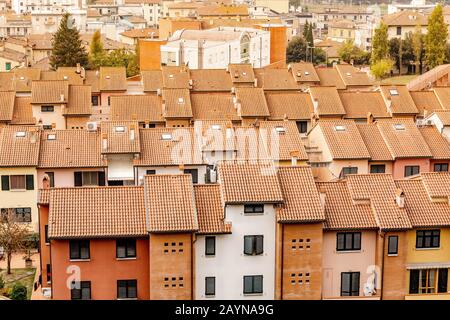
(259, 244)
(393, 245)
(210, 246)
(248, 245)
(356, 241)
(442, 280)
(345, 284)
(210, 286)
(340, 241)
(258, 284)
(355, 284)
(248, 284)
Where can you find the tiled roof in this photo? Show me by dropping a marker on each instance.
(175, 77)
(170, 203)
(252, 102)
(281, 145)
(75, 149)
(137, 107)
(403, 138)
(157, 151)
(44, 196)
(380, 190)
(444, 116)
(120, 141)
(70, 74)
(99, 212)
(79, 100)
(141, 33)
(345, 143)
(290, 105)
(241, 73)
(23, 78)
(374, 142)
(275, 79)
(304, 72)
(358, 104)
(439, 146)
(425, 101)
(443, 95)
(49, 91)
(250, 144)
(242, 182)
(217, 135)
(437, 184)
(401, 102)
(210, 211)
(113, 79)
(410, 18)
(93, 79)
(423, 212)
(213, 106)
(301, 199)
(6, 105)
(7, 82)
(353, 76)
(210, 80)
(152, 80)
(223, 10)
(19, 151)
(341, 212)
(330, 77)
(23, 112)
(176, 103)
(328, 101)
(423, 81)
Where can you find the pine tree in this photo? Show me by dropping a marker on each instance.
(68, 49)
(380, 43)
(306, 30)
(436, 38)
(96, 55)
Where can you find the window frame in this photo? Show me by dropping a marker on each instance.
(23, 211)
(209, 293)
(193, 173)
(378, 166)
(253, 208)
(345, 248)
(421, 234)
(81, 290)
(392, 253)
(127, 287)
(350, 289)
(254, 245)
(343, 174)
(253, 278)
(128, 244)
(80, 247)
(440, 165)
(47, 108)
(213, 239)
(412, 172)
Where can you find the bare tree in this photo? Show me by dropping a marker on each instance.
(13, 235)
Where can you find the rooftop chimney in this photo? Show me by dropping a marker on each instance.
(322, 195)
(78, 68)
(369, 118)
(46, 182)
(104, 141)
(400, 198)
(132, 133)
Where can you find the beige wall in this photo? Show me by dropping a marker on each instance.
(48, 118)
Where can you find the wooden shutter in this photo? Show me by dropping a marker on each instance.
(101, 178)
(5, 183)
(414, 281)
(78, 179)
(29, 182)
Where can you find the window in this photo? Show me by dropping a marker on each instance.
(126, 289)
(193, 173)
(393, 245)
(109, 101)
(81, 290)
(46, 233)
(254, 208)
(428, 281)
(94, 100)
(411, 170)
(49, 273)
(89, 178)
(210, 286)
(253, 245)
(51, 176)
(441, 167)
(399, 31)
(20, 214)
(253, 284)
(302, 126)
(347, 241)
(8, 66)
(427, 239)
(47, 127)
(349, 284)
(210, 246)
(47, 108)
(79, 249)
(18, 182)
(348, 170)
(126, 248)
(378, 168)
(150, 172)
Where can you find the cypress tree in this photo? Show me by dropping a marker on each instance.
(96, 55)
(436, 38)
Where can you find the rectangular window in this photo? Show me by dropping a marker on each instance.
(253, 245)
(47, 108)
(348, 170)
(17, 182)
(193, 173)
(210, 246)
(8, 66)
(253, 284)
(347, 241)
(150, 172)
(441, 167)
(126, 248)
(349, 284)
(51, 176)
(412, 170)
(427, 238)
(46, 234)
(20, 214)
(378, 168)
(94, 100)
(442, 280)
(126, 289)
(79, 249)
(89, 178)
(81, 290)
(302, 126)
(5, 183)
(393, 245)
(254, 208)
(47, 127)
(210, 286)
(399, 31)
(49, 273)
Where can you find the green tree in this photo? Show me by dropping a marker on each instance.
(2, 282)
(436, 38)
(123, 58)
(296, 50)
(395, 52)
(19, 292)
(310, 37)
(97, 55)
(306, 30)
(381, 68)
(380, 45)
(418, 48)
(350, 53)
(68, 49)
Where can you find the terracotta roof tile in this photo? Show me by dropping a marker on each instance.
(352, 76)
(330, 77)
(437, 184)
(217, 135)
(98, 212)
(19, 151)
(70, 74)
(410, 18)
(301, 199)
(152, 80)
(176, 103)
(170, 203)
(44, 196)
(275, 79)
(242, 182)
(304, 72)
(121, 136)
(443, 95)
(23, 78)
(175, 77)
(50, 91)
(213, 106)
(6, 105)
(79, 100)
(250, 145)
(75, 149)
(439, 146)
(93, 79)
(425, 101)
(328, 101)
(374, 142)
(210, 80)
(241, 73)
(7, 82)
(23, 112)
(113, 79)
(444, 117)
(400, 99)
(252, 102)
(137, 107)
(210, 211)
(358, 104)
(290, 105)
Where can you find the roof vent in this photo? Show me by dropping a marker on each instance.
(65, 77)
(348, 74)
(166, 136)
(339, 128)
(399, 126)
(306, 73)
(181, 100)
(20, 134)
(22, 78)
(51, 137)
(393, 92)
(280, 129)
(108, 77)
(170, 75)
(215, 127)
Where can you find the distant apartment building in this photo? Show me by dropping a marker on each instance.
(404, 22)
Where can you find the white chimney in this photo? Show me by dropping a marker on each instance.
(400, 198)
(132, 134)
(104, 142)
(322, 195)
(62, 97)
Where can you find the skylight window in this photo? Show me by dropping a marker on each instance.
(393, 92)
(306, 73)
(348, 74)
(119, 129)
(170, 75)
(244, 73)
(399, 126)
(180, 100)
(22, 78)
(215, 127)
(20, 134)
(166, 136)
(339, 128)
(280, 129)
(51, 137)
